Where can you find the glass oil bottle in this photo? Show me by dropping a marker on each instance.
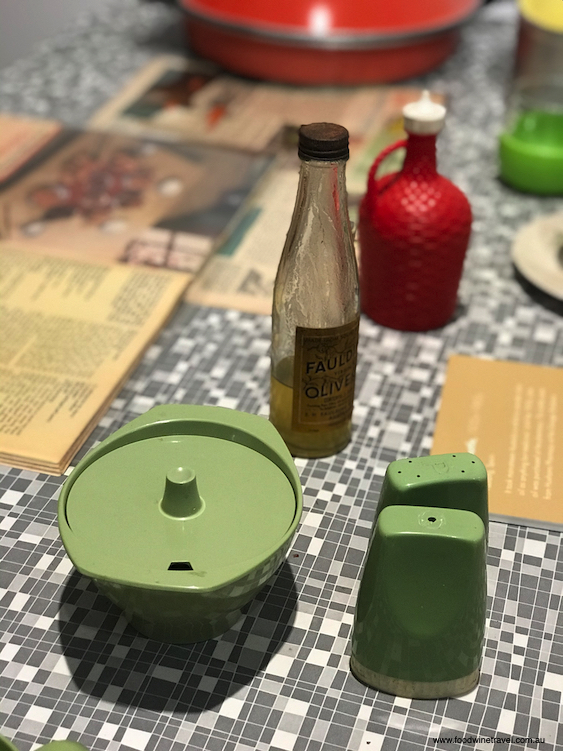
(315, 315)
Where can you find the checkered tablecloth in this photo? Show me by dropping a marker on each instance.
(71, 666)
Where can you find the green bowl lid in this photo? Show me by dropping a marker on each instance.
(183, 498)
(5, 745)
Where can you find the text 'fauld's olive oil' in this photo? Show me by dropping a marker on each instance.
(315, 314)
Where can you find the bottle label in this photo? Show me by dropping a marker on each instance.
(324, 375)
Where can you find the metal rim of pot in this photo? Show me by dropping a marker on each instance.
(345, 40)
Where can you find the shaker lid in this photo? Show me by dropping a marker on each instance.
(424, 117)
(183, 497)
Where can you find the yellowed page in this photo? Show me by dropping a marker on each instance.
(509, 414)
(179, 99)
(20, 139)
(71, 332)
(174, 98)
(97, 229)
(109, 197)
(241, 274)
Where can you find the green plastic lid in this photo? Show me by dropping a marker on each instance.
(531, 153)
(5, 745)
(184, 497)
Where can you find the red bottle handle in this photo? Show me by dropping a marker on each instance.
(375, 166)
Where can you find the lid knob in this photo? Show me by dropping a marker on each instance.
(181, 497)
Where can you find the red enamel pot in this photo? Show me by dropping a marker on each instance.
(326, 41)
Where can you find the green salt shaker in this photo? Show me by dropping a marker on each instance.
(420, 614)
(457, 481)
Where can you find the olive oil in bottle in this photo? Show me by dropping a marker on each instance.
(315, 314)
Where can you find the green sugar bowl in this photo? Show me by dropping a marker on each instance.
(6, 745)
(181, 517)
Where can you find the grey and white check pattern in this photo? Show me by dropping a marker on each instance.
(70, 665)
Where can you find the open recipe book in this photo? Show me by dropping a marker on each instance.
(182, 186)
(100, 234)
(70, 334)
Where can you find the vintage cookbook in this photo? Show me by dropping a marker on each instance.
(174, 98)
(70, 334)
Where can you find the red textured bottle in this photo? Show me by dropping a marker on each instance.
(414, 228)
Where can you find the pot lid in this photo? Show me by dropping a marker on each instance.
(323, 20)
(183, 497)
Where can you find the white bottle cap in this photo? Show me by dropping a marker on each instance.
(424, 117)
